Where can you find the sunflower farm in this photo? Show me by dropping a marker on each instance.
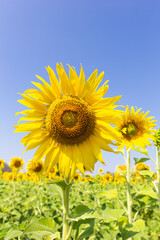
(68, 122)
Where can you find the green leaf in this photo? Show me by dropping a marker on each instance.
(13, 234)
(79, 211)
(48, 222)
(112, 214)
(4, 231)
(86, 233)
(83, 228)
(53, 236)
(146, 190)
(141, 150)
(139, 160)
(147, 173)
(55, 190)
(129, 230)
(37, 228)
(109, 194)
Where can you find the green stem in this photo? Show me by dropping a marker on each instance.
(158, 176)
(65, 201)
(129, 198)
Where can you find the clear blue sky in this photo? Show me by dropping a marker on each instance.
(119, 37)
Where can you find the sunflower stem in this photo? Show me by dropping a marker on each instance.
(158, 176)
(129, 198)
(65, 201)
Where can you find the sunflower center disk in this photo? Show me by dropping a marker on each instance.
(37, 167)
(17, 164)
(130, 131)
(70, 120)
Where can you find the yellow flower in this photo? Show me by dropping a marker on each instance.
(9, 176)
(100, 170)
(20, 177)
(1, 163)
(118, 178)
(142, 166)
(69, 121)
(35, 168)
(108, 177)
(135, 128)
(121, 168)
(76, 177)
(16, 164)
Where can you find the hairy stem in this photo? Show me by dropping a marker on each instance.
(65, 201)
(129, 198)
(158, 176)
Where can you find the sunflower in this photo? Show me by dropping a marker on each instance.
(142, 166)
(35, 167)
(135, 128)
(16, 164)
(69, 121)
(1, 163)
(121, 169)
(100, 170)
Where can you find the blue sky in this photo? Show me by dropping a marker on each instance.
(119, 37)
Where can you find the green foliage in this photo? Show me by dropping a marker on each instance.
(141, 150)
(129, 230)
(109, 194)
(30, 211)
(139, 160)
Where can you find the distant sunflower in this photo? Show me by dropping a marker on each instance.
(1, 163)
(35, 167)
(16, 164)
(135, 128)
(100, 170)
(69, 121)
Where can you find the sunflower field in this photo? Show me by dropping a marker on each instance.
(68, 122)
(31, 207)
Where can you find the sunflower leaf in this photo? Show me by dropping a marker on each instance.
(141, 150)
(139, 160)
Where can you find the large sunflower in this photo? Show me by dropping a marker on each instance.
(135, 128)
(69, 121)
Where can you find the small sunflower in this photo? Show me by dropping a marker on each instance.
(1, 163)
(69, 121)
(16, 164)
(157, 138)
(108, 177)
(142, 166)
(121, 169)
(100, 170)
(35, 167)
(135, 128)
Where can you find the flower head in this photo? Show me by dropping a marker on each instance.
(69, 121)
(1, 163)
(100, 170)
(142, 166)
(157, 138)
(35, 167)
(16, 164)
(135, 128)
